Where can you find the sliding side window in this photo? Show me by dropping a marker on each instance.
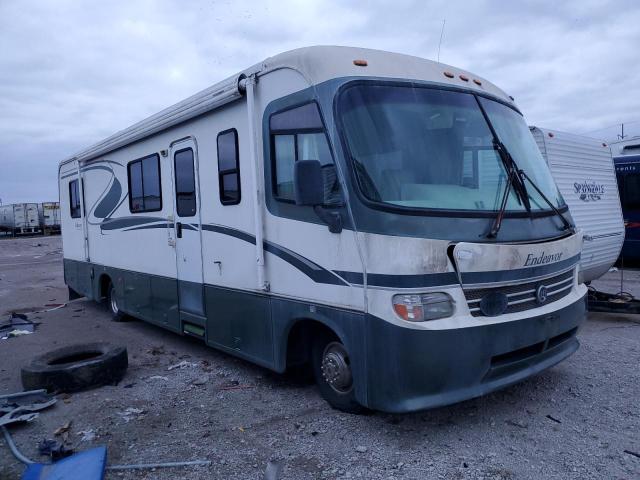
(298, 134)
(145, 193)
(74, 199)
(228, 167)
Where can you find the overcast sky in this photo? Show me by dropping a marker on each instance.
(72, 73)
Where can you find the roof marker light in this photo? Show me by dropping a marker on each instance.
(360, 63)
(551, 135)
(604, 144)
(477, 82)
(464, 78)
(449, 74)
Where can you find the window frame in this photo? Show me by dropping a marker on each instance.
(71, 207)
(294, 133)
(230, 171)
(142, 177)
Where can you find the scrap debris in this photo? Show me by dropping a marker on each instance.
(17, 325)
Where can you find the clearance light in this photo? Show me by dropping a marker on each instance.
(427, 306)
(551, 135)
(604, 144)
(464, 78)
(449, 74)
(477, 82)
(360, 63)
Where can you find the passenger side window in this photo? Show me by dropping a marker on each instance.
(185, 183)
(74, 199)
(298, 134)
(145, 193)
(228, 167)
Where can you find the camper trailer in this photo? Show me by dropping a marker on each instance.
(385, 220)
(19, 218)
(583, 170)
(628, 173)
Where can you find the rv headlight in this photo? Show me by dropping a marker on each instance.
(422, 307)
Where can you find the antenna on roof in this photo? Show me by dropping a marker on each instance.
(622, 135)
(441, 34)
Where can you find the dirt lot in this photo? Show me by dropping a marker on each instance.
(576, 420)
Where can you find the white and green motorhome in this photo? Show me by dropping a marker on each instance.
(386, 220)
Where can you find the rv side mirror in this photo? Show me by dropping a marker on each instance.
(308, 185)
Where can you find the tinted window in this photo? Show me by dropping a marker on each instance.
(298, 134)
(228, 168)
(145, 194)
(631, 191)
(300, 118)
(74, 199)
(185, 183)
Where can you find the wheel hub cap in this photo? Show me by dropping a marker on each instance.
(335, 368)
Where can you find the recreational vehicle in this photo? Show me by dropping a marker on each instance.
(384, 219)
(583, 170)
(628, 173)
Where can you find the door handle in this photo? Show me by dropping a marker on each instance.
(178, 230)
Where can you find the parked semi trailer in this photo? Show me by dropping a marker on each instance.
(385, 219)
(49, 213)
(20, 218)
(584, 171)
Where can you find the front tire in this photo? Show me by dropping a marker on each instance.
(117, 315)
(332, 371)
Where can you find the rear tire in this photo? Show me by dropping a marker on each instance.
(332, 371)
(117, 315)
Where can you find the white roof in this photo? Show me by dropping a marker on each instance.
(316, 64)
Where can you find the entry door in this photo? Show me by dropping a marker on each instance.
(184, 155)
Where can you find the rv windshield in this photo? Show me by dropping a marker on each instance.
(426, 148)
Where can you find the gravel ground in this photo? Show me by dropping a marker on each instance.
(575, 420)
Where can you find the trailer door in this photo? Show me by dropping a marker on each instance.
(188, 235)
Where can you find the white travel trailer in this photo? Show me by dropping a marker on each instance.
(20, 218)
(584, 172)
(385, 219)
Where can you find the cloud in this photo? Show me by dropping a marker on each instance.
(72, 73)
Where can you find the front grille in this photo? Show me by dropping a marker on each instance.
(522, 297)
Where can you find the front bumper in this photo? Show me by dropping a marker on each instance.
(411, 370)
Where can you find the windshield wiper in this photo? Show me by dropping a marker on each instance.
(565, 222)
(515, 179)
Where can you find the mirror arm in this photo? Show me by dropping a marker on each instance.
(332, 219)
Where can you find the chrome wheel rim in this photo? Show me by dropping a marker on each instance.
(114, 303)
(336, 367)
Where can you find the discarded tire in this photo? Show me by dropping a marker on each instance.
(76, 367)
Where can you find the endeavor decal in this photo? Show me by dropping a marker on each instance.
(589, 191)
(542, 259)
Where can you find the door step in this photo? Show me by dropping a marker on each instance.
(193, 325)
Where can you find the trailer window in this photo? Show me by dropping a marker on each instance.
(185, 183)
(145, 193)
(74, 199)
(228, 167)
(298, 134)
